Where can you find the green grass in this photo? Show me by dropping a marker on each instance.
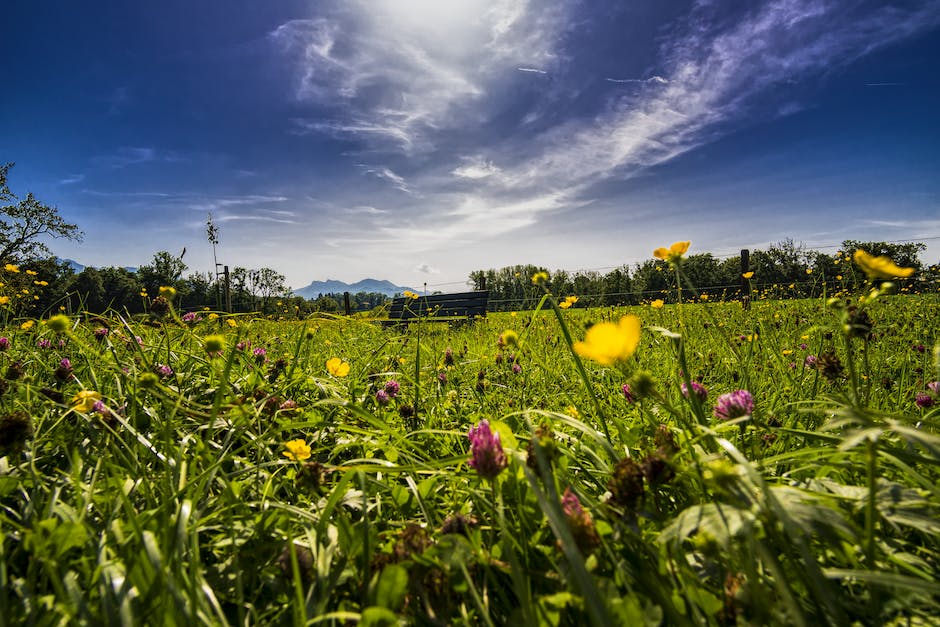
(176, 504)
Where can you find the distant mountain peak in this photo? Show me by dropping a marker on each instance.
(332, 286)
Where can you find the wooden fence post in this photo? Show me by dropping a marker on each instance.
(745, 283)
(346, 302)
(228, 290)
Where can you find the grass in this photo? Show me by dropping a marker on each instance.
(173, 500)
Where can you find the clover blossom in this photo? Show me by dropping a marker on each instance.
(486, 450)
(734, 405)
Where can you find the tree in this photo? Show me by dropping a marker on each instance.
(164, 270)
(23, 222)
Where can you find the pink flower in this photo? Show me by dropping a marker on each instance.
(697, 388)
(734, 405)
(486, 451)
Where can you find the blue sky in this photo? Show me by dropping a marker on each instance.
(417, 140)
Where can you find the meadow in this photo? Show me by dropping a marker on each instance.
(710, 465)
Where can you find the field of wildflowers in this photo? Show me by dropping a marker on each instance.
(664, 465)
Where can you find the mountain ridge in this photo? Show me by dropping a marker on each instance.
(332, 286)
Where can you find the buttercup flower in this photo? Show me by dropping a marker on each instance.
(486, 451)
(568, 302)
(540, 278)
(607, 342)
(11, 268)
(297, 450)
(337, 367)
(410, 295)
(748, 275)
(657, 304)
(734, 405)
(167, 292)
(879, 267)
(673, 253)
(85, 400)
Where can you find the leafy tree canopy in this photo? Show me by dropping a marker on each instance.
(25, 222)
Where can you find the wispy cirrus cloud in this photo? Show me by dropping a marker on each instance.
(715, 69)
(400, 71)
(133, 155)
(405, 85)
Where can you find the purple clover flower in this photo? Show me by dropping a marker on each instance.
(101, 333)
(4, 343)
(934, 387)
(924, 400)
(191, 317)
(44, 343)
(734, 405)
(628, 393)
(697, 388)
(810, 361)
(442, 378)
(260, 355)
(163, 370)
(516, 368)
(486, 451)
(571, 505)
(392, 388)
(382, 398)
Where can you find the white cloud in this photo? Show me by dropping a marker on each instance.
(715, 70)
(475, 168)
(400, 71)
(426, 269)
(385, 173)
(72, 179)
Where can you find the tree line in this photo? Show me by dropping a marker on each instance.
(783, 270)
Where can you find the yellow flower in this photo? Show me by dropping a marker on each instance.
(607, 342)
(568, 302)
(703, 297)
(143, 293)
(572, 411)
(508, 338)
(879, 267)
(168, 292)
(673, 253)
(297, 450)
(787, 351)
(41, 283)
(26, 326)
(4, 300)
(59, 323)
(410, 295)
(838, 277)
(231, 323)
(31, 272)
(11, 268)
(809, 271)
(748, 275)
(540, 278)
(85, 400)
(337, 367)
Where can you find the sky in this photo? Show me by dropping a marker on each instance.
(419, 140)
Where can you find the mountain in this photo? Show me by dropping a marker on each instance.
(77, 267)
(338, 287)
